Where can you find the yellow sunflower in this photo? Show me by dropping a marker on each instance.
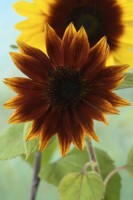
(110, 18)
(65, 90)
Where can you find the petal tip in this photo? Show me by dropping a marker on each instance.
(41, 148)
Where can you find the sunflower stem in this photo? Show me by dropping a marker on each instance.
(88, 164)
(112, 173)
(92, 156)
(36, 179)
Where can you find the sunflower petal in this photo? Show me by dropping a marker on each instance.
(86, 123)
(37, 54)
(79, 49)
(97, 58)
(24, 86)
(45, 5)
(101, 104)
(127, 8)
(64, 137)
(112, 76)
(27, 9)
(30, 24)
(14, 102)
(93, 112)
(28, 112)
(69, 34)
(38, 41)
(30, 66)
(36, 126)
(123, 55)
(31, 135)
(53, 44)
(47, 131)
(76, 131)
(111, 97)
(127, 38)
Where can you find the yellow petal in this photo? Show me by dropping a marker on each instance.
(127, 38)
(27, 9)
(38, 41)
(45, 5)
(123, 56)
(110, 61)
(127, 8)
(31, 24)
(27, 34)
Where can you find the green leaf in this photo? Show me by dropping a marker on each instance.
(32, 145)
(47, 154)
(106, 164)
(129, 166)
(127, 82)
(78, 186)
(74, 162)
(11, 142)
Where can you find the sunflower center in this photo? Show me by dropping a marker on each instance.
(65, 88)
(89, 18)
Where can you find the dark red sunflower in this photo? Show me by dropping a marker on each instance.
(66, 89)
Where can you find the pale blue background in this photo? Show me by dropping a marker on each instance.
(15, 175)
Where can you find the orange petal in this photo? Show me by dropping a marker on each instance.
(48, 130)
(74, 130)
(69, 34)
(64, 142)
(101, 104)
(113, 98)
(24, 86)
(34, 130)
(30, 66)
(37, 126)
(29, 110)
(97, 58)
(111, 82)
(93, 112)
(63, 135)
(37, 54)
(32, 135)
(86, 122)
(113, 71)
(53, 44)
(14, 102)
(79, 49)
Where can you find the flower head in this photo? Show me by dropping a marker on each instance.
(110, 18)
(65, 89)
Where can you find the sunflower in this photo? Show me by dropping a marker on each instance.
(65, 90)
(110, 18)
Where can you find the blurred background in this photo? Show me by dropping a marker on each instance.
(15, 174)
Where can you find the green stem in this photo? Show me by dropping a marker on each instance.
(92, 156)
(112, 173)
(88, 164)
(36, 179)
